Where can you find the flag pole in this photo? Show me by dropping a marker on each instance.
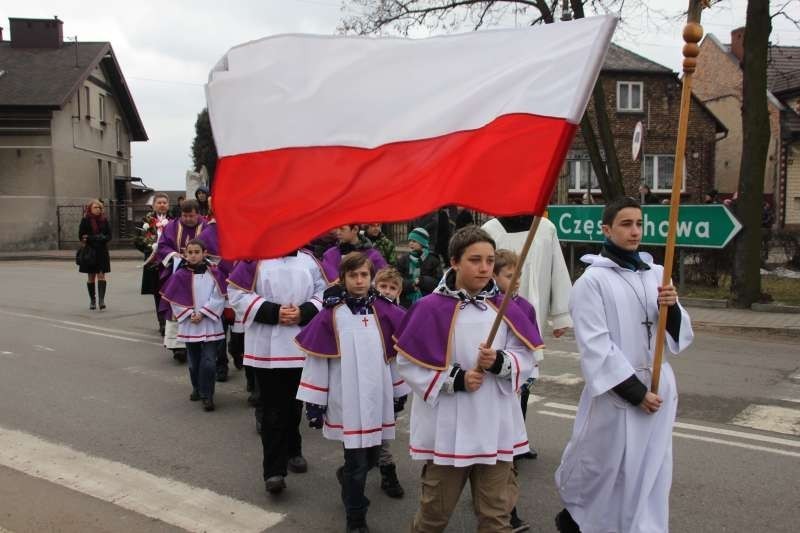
(514, 279)
(692, 33)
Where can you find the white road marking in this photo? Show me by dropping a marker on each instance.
(705, 429)
(562, 354)
(129, 339)
(793, 400)
(562, 379)
(737, 444)
(6, 353)
(173, 502)
(701, 438)
(44, 348)
(534, 398)
(79, 324)
(770, 418)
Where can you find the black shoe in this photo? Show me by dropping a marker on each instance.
(102, 305)
(258, 426)
(275, 484)
(389, 482)
(252, 399)
(357, 529)
(340, 475)
(92, 296)
(518, 525)
(238, 362)
(194, 396)
(565, 523)
(92, 305)
(179, 354)
(208, 404)
(533, 454)
(222, 374)
(297, 464)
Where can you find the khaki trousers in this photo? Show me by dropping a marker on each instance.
(494, 493)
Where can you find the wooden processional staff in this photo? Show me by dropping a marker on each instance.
(692, 33)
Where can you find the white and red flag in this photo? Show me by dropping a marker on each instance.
(314, 132)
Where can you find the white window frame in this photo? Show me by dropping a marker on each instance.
(654, 185)
(118, 133)
(101, 98)
(628, 108)
(87, 92)
(574, 178)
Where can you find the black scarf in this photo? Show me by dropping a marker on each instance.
(623, 258)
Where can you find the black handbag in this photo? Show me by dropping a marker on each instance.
(86, 257)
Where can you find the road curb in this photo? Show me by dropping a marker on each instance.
(739, 328)
(708, 303)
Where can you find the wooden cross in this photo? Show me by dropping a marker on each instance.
(365, 321)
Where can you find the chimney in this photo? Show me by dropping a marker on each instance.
(737, 43)
(36, 33)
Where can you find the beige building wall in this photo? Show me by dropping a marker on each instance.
(718, 83)
(27, 207)
(793, 185)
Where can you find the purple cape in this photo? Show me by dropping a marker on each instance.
(210, 237)
(244, 275)
(425, 334)
(528, 311)
(332, 257)
(320, 337)
(178, 289)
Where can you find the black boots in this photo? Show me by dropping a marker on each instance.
(565, 523)
(92, 300)
(101, 293)
(389, 482)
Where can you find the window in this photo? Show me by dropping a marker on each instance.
(101, 109)
(88, 102)
(629, 96)
(580, 173)
(118, 131)
(658, 170)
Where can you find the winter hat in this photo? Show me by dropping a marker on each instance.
(421, 236)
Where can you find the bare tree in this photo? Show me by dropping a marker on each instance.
(746, 274)
(405, 16)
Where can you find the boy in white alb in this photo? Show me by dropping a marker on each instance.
(349, 382)
(275, 298)
(616, 470)
(465, 418)
(196, 292)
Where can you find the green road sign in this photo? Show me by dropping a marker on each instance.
(699, 226)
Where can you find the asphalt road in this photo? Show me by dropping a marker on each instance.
(97, 433)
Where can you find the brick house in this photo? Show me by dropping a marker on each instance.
(67, 120)
(718, 82)
(638, 89)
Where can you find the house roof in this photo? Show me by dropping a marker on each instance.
(783, 69)
(46, 78)
(619, 59)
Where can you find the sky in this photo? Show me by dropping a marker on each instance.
(167, 48)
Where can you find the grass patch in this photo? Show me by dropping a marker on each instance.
(783, 290)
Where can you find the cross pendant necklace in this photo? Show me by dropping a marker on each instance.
(646, 323)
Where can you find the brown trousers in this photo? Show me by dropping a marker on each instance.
(494, 493)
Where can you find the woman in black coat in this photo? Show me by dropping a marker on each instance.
(94, 233)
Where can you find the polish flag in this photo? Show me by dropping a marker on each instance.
(314, 132)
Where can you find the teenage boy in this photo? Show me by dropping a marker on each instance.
(616, 470)
(349, 241)
(465, 420)
(169, 252)
(196, 293)
(276, 298)
(348, 381)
